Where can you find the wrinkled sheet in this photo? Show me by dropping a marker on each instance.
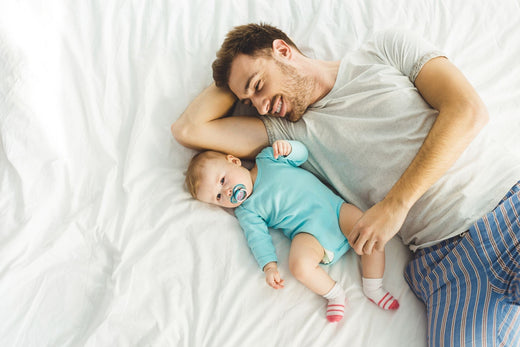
(100, 243)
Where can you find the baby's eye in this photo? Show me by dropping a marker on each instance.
(222, 181)
(219, 196)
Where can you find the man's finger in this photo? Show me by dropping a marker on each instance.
(369, 247)
(380, 246)
(352, 236)
(359, 245)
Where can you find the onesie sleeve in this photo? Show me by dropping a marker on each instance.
(298, 155)
(257, 235)
(404, 50)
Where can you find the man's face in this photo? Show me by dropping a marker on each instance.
(273, 86)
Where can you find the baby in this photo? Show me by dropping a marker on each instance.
(277, 194)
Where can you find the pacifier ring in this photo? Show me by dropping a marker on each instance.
(239, 194)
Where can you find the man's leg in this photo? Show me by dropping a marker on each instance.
(499, 245)
(446, 278)
(470, 284)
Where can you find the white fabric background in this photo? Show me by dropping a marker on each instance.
(101, 245)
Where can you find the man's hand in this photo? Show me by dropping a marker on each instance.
(376, 227)
(272, 276)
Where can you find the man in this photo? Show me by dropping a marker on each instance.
(396, 129)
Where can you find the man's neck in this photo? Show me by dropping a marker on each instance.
(323, 73)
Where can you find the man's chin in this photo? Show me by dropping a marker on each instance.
(294, 116)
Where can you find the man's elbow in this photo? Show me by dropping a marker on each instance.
(181, 133)
(472, 116)
(479, 116)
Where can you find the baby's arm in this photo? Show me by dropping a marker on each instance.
(281, 147)
(272, 276)
(260, 242)
(294, 152)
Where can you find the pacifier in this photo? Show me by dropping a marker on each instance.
(239, 194)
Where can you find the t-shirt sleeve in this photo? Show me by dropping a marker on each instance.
(257, 236)
(277, 128)
(404, 50)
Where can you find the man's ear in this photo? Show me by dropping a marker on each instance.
(233, 159)
(282, 49)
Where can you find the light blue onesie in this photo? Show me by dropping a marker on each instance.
(293, 200)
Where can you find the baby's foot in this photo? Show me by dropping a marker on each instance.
(373, 289)
(387, 302)
(336, 303)
(335, 311)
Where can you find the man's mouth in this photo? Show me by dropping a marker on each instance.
(277, 108)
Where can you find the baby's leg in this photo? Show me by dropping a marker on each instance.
(373, 267)
(304, 258)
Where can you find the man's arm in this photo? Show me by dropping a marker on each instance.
(201, 126)
(462, 115)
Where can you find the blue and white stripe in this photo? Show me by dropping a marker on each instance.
(471, 284)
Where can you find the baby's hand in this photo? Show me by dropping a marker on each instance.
(272, 276)
(281, 147)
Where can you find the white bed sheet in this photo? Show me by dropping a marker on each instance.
(101, 245)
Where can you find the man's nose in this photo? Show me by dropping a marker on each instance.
(261, 104)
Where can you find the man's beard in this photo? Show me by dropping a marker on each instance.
(297, 89)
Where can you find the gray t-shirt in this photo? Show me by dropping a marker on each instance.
(366, 131)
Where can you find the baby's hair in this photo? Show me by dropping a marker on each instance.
(195, 169)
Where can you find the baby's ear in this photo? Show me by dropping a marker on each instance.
(234, 160)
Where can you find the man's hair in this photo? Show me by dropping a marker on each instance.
(250, 39)
(195, 169)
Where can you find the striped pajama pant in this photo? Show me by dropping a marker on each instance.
(470, 284)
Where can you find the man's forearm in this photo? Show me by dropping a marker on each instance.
(449, 137)
(202, 126)
(211, 104)
(462, 115)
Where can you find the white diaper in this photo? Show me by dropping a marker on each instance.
(328, 257)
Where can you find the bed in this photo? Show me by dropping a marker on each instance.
(100, 242)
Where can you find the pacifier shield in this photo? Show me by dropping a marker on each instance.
(239, 194)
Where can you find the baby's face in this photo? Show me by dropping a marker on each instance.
(219, 177)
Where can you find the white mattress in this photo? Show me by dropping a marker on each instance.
(100, 243)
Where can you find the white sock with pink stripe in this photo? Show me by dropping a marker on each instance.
(336, 304)
(373, 289)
